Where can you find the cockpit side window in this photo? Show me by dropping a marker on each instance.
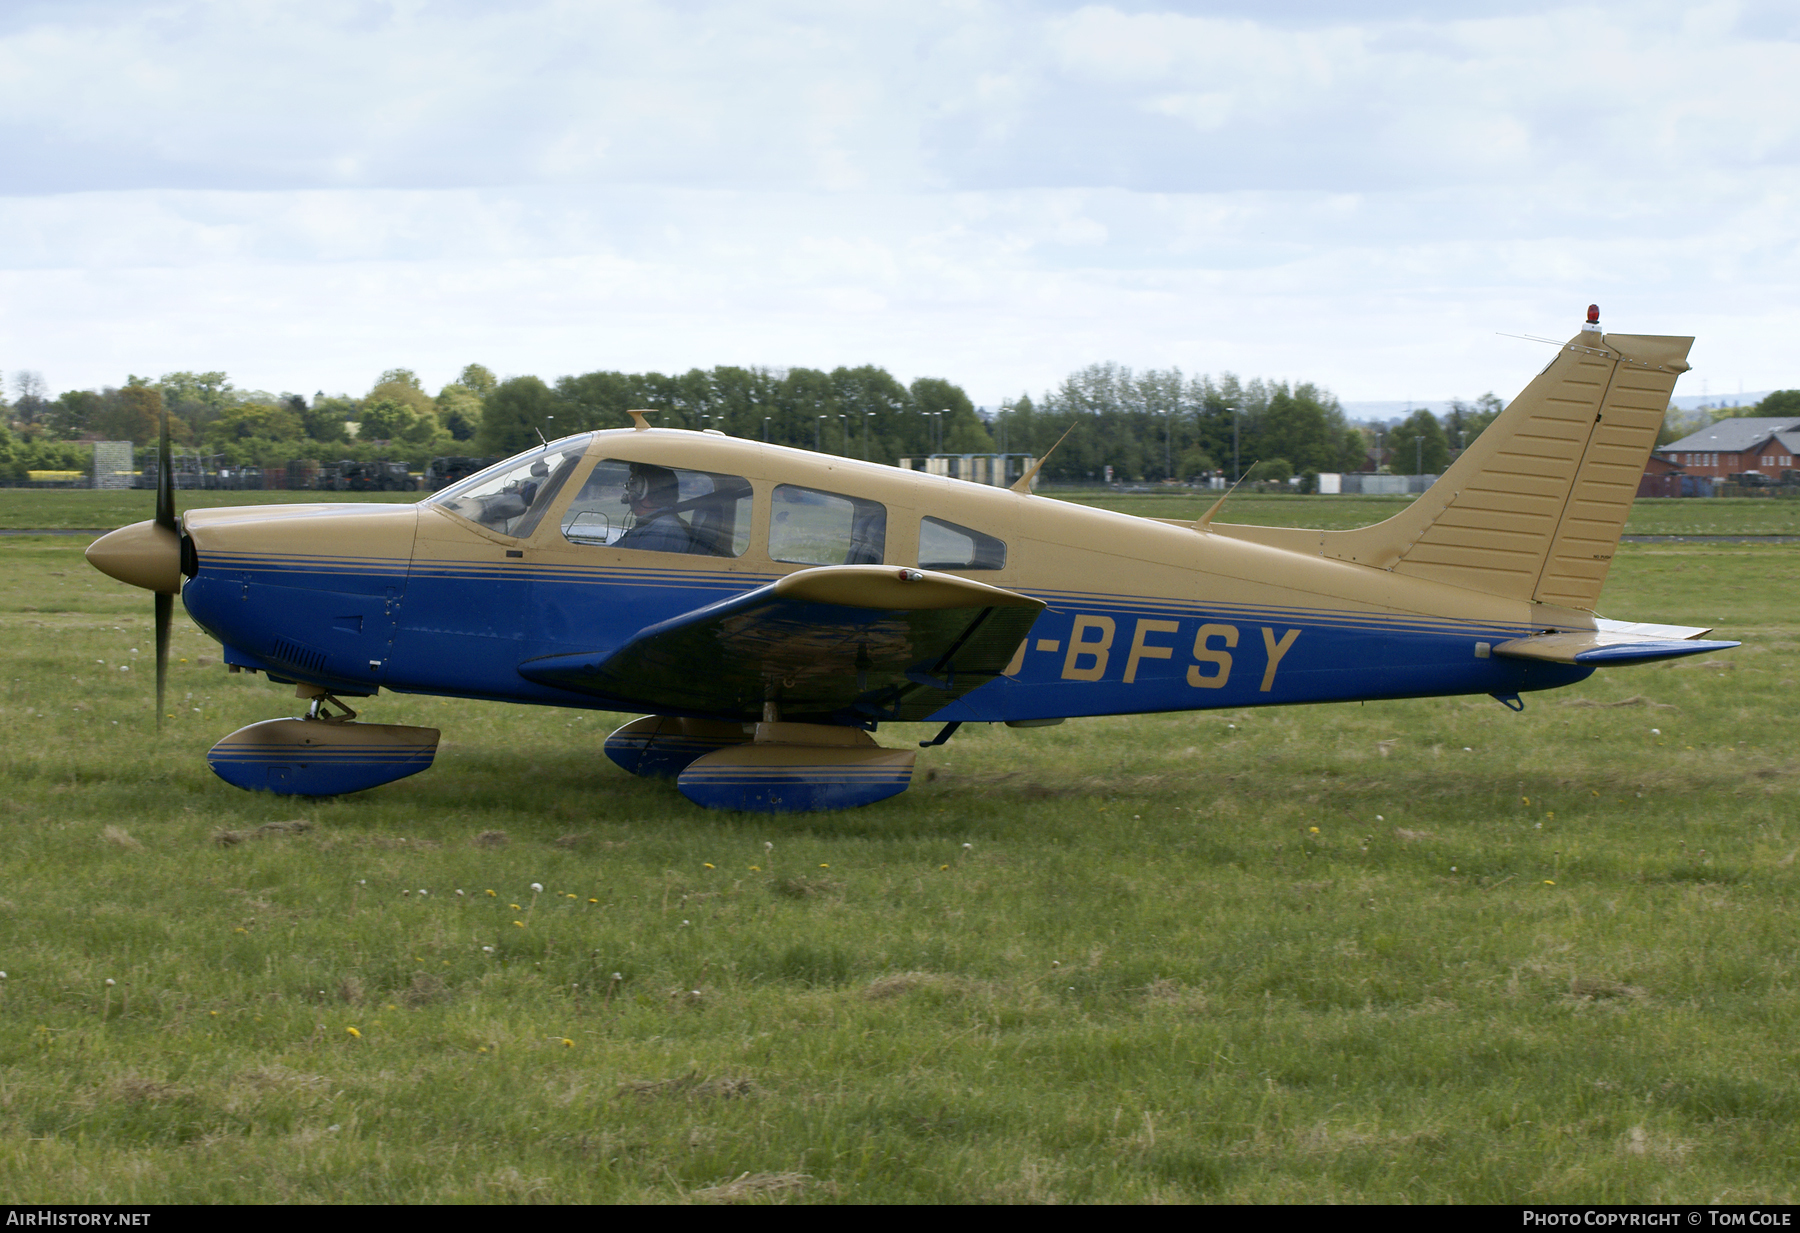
(944, 545)
(511, 497)
(661, 509)
(809, 527)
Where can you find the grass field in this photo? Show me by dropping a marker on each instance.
(1421, 951)
(69, 509)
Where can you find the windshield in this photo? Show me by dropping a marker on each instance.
(510, 497)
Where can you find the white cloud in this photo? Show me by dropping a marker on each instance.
(305, 194)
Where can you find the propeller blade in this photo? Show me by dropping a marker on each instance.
(165, 517)
(165, 612)
(165, 477)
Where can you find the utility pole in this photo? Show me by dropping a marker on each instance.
(818, 435)
(765, 428)
(846, 420)
(1236, 470)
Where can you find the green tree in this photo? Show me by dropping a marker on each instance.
(386, 419)
(1417, 446)
(478, 378)
(514, 414)
(1780, 403)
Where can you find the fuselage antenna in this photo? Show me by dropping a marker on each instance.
(1207, 517)
(1022, 485)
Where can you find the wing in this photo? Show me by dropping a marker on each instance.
(854, 641)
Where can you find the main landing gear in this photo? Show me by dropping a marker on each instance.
(322, 754)
(768, 767)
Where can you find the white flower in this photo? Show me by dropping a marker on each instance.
(1656, 732)
(110, 982)
(487, 950)
(537, 888)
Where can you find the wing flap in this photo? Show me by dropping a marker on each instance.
(865, 641)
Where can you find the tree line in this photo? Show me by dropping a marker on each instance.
(1150, 425)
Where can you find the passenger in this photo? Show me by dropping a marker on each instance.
(651, 492)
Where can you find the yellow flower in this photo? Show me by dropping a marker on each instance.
(824, 865)
(1313, 829)
(519, 923)
(756, 869)
(593, 901)
(492, 895)
(708, 864)
(943, 867)
(1548, 882)
(354, 1032)
(567, 1043)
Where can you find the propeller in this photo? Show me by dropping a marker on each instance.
(165, 521)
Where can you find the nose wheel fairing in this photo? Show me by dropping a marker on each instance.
(321, 757)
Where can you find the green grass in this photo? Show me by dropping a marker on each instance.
(59, 509)
(1110, 961)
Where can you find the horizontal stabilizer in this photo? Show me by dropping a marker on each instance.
(878, 642)
(1614, 642)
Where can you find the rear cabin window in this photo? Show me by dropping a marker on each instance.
(660, 509)
(809, 527)
(944, 545)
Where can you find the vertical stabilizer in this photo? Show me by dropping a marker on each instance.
(1534, 508)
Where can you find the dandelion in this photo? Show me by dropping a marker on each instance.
(1466, 749)
(1656, 732)
(1526, 799)
(707, 864)
(593, 901)
(1313, 830)
(487, 950)
(459, 894)
(968, 847)
(491, 895)
(2, 975)
(571, 896)
(767, 846)
(537, 888)
(941, 868)
(567, 1043)
(1379, 818)
(423, 891)
(110, 982)
(824, 864)
(1548, 882)
(756, 869)
(515, 907)
(354, 1032)
(519, 923)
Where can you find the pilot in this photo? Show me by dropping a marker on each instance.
(651, 492)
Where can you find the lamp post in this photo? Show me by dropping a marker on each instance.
(867, 416)
(846, 420)
(766, 428)
(1235, 469)
(819, 435)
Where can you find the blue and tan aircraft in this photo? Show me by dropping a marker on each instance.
(769, 608)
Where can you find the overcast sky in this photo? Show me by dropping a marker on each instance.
(1357, 194)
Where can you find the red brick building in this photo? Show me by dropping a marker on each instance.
(1732, 447)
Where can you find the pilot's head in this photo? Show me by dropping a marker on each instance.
(650, 489)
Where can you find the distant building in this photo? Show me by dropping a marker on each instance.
(1732, 447)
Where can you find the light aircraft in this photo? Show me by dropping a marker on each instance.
(770, 607)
